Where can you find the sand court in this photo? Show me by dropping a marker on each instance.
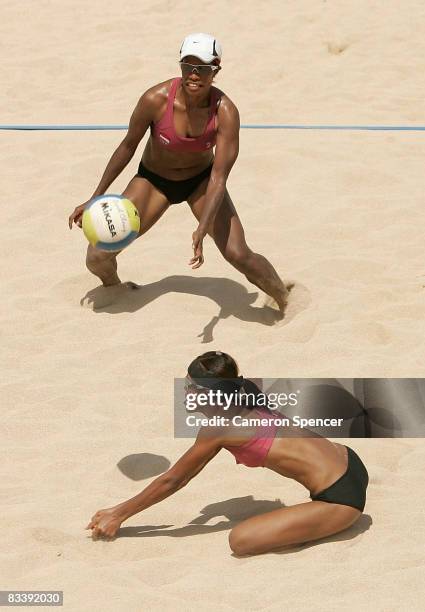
(87, 389)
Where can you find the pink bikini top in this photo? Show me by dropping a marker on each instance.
(253, 453)
(164, 133)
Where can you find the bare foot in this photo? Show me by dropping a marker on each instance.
(298, 300)
(280, 304)
(103, 296)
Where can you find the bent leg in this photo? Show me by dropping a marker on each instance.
(228, 234)
(290, 526)
(151, 205)
(103, 265)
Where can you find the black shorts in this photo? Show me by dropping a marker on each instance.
(174, 191)
(350, 489)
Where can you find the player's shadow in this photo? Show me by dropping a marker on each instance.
(232, 299)
(233, 511)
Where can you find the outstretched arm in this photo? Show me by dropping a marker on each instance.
(107, 522)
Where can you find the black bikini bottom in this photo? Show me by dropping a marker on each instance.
(350, 489)
(174, 191)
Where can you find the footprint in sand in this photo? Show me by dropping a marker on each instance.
(379, 476)
(46, 535)
(299, 299)
(336, 47)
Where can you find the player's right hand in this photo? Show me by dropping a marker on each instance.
(105, 523)
(77, 215)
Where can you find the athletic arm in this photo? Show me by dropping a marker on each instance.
(139, 123)
(226, 153)
(107, 522)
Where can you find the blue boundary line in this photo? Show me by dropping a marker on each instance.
(277, 126)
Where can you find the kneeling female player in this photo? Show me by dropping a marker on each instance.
(333, 474)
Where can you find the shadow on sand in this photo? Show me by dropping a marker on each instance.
(139, 466)
(235, 510)
(232, 299)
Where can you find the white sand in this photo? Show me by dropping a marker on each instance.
(341, 213)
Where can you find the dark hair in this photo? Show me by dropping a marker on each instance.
(213, 364)
(207, 368)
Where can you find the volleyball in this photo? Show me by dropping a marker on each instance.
(111, 222)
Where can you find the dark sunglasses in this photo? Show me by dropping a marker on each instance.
(203, 70)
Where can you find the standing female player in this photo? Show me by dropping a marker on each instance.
(333, 474)
(187, 117)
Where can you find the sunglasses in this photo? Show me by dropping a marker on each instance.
(203, 70)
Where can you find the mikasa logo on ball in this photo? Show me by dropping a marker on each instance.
(108, 219)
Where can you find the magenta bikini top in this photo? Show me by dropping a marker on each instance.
(164, 133)
(253, 453)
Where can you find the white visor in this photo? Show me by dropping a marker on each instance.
(204, 46)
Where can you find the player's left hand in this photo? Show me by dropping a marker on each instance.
(197, 245)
